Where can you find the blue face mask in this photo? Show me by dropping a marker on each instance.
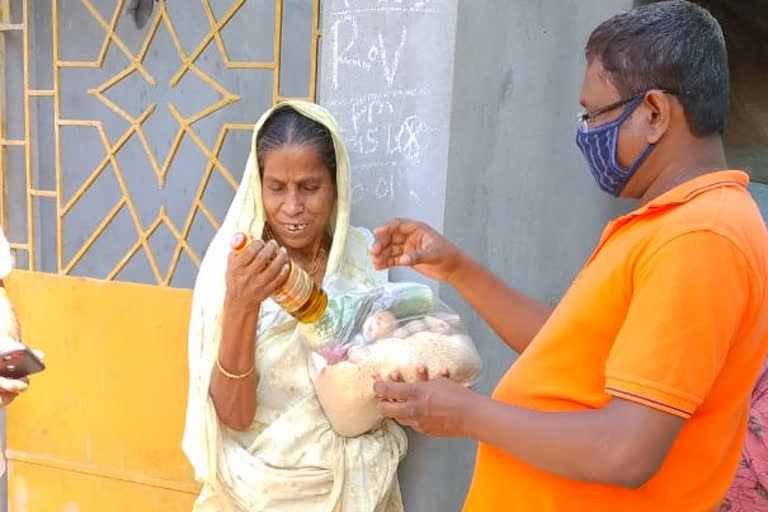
(599, 148)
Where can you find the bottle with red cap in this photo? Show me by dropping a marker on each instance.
(300, 296)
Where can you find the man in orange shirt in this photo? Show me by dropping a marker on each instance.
(632, 393)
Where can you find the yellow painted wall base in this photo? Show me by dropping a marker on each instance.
(38, 488)
(100, 429)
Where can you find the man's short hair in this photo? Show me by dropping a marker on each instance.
(673, 45)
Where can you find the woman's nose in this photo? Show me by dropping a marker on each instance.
(293, 205)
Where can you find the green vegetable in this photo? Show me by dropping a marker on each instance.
(411, 300)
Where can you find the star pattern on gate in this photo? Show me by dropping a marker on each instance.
(160, 164)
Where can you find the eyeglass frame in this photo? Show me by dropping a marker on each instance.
(585, 116)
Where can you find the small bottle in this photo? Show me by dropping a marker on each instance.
(300, 296)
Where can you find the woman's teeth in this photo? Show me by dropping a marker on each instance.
(295, 228)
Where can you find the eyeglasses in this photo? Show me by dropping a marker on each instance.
(587, 117)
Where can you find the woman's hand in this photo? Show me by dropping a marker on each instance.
(251, 278)
(413, 244)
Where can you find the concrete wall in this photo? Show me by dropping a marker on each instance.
(760, 193)
(518, 195)
(385, 74)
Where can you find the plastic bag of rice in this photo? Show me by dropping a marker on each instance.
(374, 332)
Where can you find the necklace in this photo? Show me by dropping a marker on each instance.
(268, 234)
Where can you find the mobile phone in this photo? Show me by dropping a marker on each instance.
(19, 362)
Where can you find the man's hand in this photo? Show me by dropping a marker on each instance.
(10, 389)
(433, 407)
(413, 244)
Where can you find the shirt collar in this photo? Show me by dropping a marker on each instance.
(682, 194)
(691, 188)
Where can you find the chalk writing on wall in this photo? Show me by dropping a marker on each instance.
(380, 89)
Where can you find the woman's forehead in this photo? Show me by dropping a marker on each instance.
(294, 161)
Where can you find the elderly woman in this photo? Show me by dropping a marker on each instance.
(256, 434)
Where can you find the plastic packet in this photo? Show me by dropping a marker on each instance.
(365, 333)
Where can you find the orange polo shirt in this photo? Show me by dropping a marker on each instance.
(670, 311)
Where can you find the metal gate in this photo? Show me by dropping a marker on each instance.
(120, 150)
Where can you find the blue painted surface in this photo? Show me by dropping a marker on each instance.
(760, 193)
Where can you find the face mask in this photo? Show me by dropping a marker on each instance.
(599, 148)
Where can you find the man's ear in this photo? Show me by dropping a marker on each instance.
(658, 106)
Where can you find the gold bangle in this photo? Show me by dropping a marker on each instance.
(234, 375)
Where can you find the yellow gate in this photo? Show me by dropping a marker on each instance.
(120, 148)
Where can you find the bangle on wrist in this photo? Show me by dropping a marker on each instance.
(231, 375)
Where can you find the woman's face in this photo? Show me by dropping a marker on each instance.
(298, 195)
